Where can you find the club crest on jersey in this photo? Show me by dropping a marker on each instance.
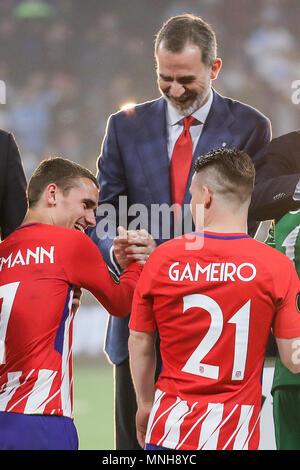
(114, 277)
(298, 301)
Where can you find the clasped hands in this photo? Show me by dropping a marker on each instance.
(132, 245)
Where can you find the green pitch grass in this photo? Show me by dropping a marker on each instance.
(94, 404)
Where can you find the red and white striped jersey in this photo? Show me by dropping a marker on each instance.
(39, 266)
(199, 425)
(213, 306)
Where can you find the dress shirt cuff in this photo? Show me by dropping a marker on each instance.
(114, 262)
(296, 196)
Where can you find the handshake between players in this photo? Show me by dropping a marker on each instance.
(132, 245)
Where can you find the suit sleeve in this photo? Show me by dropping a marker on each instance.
(276, 179)
(257, 135)
(112, 181)
(14, 202)
(85, 267)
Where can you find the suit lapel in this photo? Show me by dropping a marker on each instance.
(153, 151)
(215, 133)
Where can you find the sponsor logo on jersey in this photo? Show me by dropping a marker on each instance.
(212, 272)
(298, 301)
(114, 276)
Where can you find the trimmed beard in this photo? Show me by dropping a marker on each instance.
(200, 99)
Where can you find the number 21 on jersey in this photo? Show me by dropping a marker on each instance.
(194, 365)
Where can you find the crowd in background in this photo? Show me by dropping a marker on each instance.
(68, 65)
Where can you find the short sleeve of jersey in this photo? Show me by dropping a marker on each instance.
(142, 317)
(286, 323)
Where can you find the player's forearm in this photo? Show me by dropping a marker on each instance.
(91, 273)
(115, 297)
(142, 356)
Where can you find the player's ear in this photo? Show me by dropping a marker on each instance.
(207, 197)
(51, 194)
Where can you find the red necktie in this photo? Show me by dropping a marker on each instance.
(181, 163)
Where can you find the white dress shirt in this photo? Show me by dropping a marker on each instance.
(175, 123)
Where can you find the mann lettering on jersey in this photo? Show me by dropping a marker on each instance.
(214, 309)
(212, 272)
(38, 255)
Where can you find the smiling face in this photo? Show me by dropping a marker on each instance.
(183, 78)
(75, 208)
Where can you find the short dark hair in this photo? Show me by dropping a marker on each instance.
(61, 171)
(180, 30)
(235, 170)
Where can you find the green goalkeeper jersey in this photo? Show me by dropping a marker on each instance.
(287, 240)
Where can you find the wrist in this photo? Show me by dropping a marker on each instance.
(118, 268)
(145, 404)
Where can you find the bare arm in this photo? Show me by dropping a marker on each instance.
(142, 356)
(289, 351)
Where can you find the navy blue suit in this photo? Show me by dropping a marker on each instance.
(13, 202)
(277, 179)
(134, 162)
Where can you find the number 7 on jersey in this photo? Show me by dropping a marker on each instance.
(7, 294)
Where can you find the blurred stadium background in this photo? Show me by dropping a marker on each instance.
(68, 64)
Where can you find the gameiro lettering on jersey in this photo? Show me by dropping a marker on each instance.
(214, 309)
(212, 272)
